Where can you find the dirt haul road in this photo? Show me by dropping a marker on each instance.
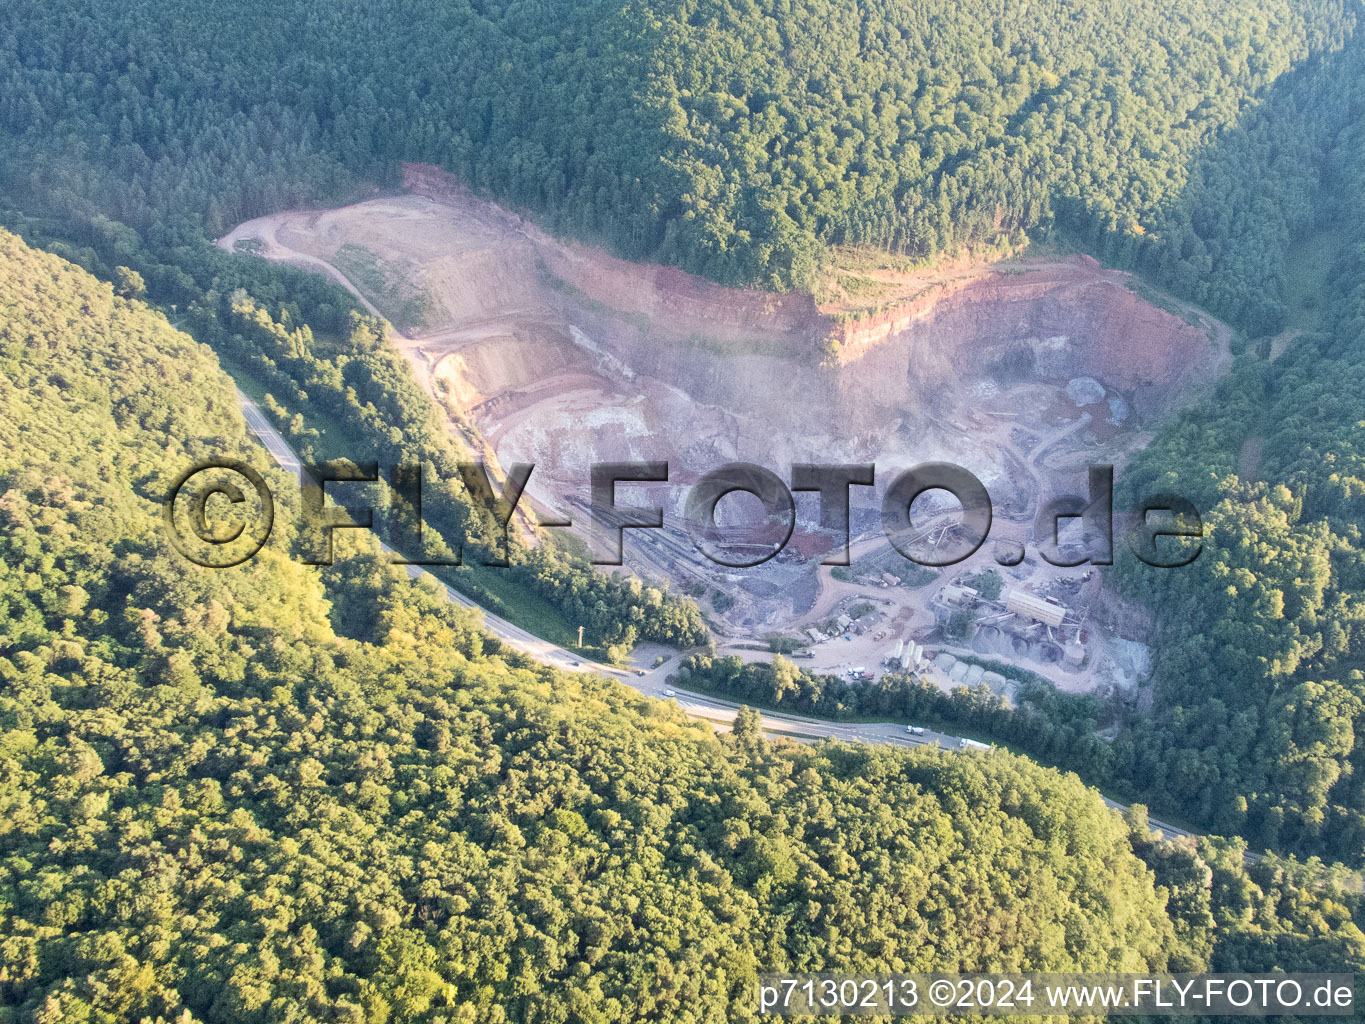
(560, 355)
(654, 680)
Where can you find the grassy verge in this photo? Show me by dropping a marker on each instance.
(520, 606)
(1306, 266)
(385, 285)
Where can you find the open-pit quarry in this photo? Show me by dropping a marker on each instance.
(1024, 372)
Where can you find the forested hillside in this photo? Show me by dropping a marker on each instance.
(304, 341)
(216, 805)
(1213, 151)
(1260, 704)
(1258, 712)
(281, 793)
(737, 138)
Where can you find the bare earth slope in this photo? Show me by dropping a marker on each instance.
(561, 355)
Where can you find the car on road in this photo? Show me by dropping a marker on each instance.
(639, 671)
(670, 693)
(915, 730)
(576, 664)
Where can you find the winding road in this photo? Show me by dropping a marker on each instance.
(652, 681)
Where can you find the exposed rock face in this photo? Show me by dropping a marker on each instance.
(560, 355)
(563, 355)
(899, 379)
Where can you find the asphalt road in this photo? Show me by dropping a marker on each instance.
(651, 681)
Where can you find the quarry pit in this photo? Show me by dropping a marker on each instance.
(1025, 372)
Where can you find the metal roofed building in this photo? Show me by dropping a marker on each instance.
(1031, 606)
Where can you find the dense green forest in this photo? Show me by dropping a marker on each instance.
(736, 138)
(741, 140)
(1259, 709)
(1259, 704)
(339, 391)
(222, 800)
(483, 839)
(364, 389)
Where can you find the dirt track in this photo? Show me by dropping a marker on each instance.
(564, 356)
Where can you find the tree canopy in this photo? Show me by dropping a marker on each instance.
(217, 804)
(285, 793)
(738, 139)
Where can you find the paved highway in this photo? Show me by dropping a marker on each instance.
(650, 681)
